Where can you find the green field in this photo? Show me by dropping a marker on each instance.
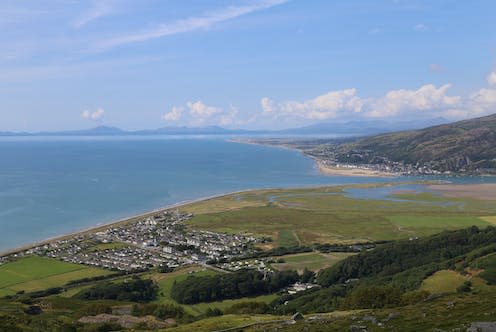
(444, 281)
(424, 225)
(106, 246)
(312, 261)
(326, 215)
(36, 273)
(286, 238)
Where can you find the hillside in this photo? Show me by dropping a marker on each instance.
(468, 145)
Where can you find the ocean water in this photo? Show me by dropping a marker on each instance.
(54, 185)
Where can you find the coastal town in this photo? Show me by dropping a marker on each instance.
(331, 160)
(161, 240)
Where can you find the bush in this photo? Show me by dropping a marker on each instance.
(135, 290)
(213, 312)
(230, 286)
(465, 287)
(250, 308)
(373, 297)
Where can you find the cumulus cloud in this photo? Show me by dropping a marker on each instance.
(347, 103)
(322, 107)
(426, 98)
(95, 115)
(174, 115)
(199, 109)
(491, 78)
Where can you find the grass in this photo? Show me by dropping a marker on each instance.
(36, 273)
(489, 219)
(106, 246)
(312, 261)
(286, 238)
(326, 215)
(223, 322)
(444, 281)
(423, 225)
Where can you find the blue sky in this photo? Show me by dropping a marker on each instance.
(67, 64)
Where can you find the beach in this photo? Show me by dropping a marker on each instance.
(350, 171)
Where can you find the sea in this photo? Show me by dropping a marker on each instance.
(51, 186)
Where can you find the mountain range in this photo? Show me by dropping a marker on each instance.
(351, 128)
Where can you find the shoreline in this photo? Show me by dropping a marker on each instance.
(120, 221)
(322, 167)
(318, 164)
(351, 171)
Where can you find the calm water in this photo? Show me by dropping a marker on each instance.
(51, 186)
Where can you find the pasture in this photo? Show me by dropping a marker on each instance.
(36, 273)
(312, 261)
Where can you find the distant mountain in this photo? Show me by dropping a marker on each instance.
(354, 128)
(361, 128)
(458, 146)
(114, 131)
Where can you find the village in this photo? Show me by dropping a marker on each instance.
(161, 240)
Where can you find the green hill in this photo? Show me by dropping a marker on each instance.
(468, 145)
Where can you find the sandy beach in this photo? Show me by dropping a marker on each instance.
(350, 171)
(482, 191)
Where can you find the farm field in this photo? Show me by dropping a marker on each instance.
(329, 215)
(37, 273)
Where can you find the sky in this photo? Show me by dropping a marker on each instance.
(267, 64)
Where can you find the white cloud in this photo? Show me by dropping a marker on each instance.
(491, 78)
(96, 115)
(426, 98)
(174, 115)
(484, 100)
(321, 107)
(189, 24)
(267, 105)
(230, 117)
(100, 8)
(199, 109)
(420, 27)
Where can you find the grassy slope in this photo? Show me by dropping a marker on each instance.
(474, 138)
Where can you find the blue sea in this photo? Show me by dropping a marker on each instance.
(54, 185)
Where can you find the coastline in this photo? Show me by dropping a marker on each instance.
(321, 166)
(121, 221)
(131, 218)
(351, 171)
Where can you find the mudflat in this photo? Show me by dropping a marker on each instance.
(482, 191)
